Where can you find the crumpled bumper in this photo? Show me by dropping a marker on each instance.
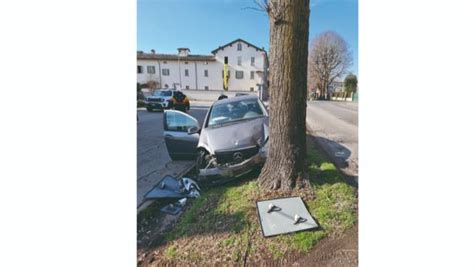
(239, 169)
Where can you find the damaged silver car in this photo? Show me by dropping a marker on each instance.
(232, 142)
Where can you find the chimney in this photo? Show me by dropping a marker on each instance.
(183, 52)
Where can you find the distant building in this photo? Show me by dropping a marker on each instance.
(245, 68)
(336, 86)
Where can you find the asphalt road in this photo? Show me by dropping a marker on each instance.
(153, 161)
(335, 125)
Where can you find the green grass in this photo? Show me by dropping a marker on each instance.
(171, 252)
(333, 207)
(227, 214)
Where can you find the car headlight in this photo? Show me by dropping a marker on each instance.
(266, 141)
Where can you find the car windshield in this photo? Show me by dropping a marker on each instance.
(235, 111)
(162, 93)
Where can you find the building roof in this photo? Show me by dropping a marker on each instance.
(237, 40)
(151, 56)
(189, 57)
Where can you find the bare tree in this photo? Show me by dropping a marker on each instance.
(329, 59)
(285, 167)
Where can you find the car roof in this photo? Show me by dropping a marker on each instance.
(234, 99)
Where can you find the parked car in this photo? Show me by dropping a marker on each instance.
(180, 101)
(222, 96)
(160, 99)
(232, 142)
(240, 94)
(167, 99)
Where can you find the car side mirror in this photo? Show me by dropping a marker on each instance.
(193, 130)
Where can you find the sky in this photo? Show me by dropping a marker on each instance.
(204, 25)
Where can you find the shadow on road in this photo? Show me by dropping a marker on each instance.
(338, 154)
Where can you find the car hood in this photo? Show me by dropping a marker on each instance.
(234, 136)
(159, 97)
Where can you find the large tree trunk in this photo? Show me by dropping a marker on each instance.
(286, 163)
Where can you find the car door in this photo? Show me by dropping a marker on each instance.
(180, 143)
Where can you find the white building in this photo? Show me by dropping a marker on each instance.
(245, 62)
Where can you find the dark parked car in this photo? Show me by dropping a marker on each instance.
(241, 94)
(232, 141)
(222, 96)
(180, 101)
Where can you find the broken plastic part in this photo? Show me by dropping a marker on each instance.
(182, 202)
(212, 162)
(172, 209)
(189, 184)
(194, 194)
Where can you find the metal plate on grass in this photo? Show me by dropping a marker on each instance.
(281, 218)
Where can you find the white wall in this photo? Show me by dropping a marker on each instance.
(214, 81)
(144, 77)
(247, 52)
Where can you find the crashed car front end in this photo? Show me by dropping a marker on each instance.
(234, 169)
(236, 149)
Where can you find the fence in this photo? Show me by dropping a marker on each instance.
(344, 96)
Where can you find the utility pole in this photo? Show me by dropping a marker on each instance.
(179, 67)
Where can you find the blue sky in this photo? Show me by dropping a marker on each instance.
(203, 25)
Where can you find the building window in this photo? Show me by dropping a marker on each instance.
(239, 61)
(252, 74)
(251, 89)
(186, 72)
(239, 74)
(252, 61)
(166, 85)
(150, 69)
(165, 72)
(206, 87)
(226, 60)
(187, 86)
(139, 69)
(164, 62)
(239, 47)
(205, 63)
(185, 62)
(206, 74)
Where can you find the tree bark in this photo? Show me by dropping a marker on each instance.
(285, 167)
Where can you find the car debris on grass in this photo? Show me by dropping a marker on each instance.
(221, 227)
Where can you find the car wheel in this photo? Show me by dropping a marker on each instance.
(202, 159)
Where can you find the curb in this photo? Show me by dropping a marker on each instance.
(349, 178)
